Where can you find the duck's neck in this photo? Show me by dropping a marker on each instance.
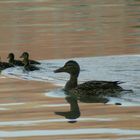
(25, 61)
(72, 83)
(11, 60)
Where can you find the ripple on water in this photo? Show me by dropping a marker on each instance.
(4, 106)
(58, 93)
(36, 122)
(28, 133)
(11, 104)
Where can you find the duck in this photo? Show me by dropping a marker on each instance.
(30, 61)
(26, 62)
(5, 65)
(96, 90)
(12, 60)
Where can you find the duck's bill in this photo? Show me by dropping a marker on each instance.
(59, 70)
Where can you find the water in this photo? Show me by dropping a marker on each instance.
(52, 29)
(28, 133)
(36, 122)
(123, 68)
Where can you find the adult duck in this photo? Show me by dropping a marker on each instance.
(27, 65)
(88, 89)
(26, 54)
(14, 62)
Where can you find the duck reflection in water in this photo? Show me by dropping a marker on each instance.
(74, 112)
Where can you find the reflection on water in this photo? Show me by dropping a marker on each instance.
(74, 112)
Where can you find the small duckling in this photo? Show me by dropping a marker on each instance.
(26, 54)
(27, 65)
(5, 65)
(12, 60)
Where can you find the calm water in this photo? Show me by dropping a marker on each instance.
(78, 27)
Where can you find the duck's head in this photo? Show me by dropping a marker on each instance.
(71, 67)
(25, 55)
(11, 56)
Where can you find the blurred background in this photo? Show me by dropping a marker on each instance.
(51, 29)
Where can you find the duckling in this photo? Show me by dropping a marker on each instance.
(27, 65)
(26, 54)
(5, 65)
(90, 88)
(12, 60)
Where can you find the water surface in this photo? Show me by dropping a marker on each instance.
(69, 29)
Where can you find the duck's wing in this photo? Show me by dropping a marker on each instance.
(98, 88)
(99, 84)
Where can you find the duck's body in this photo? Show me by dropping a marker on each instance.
(96, 88)
(34, 62)
(14, 62)
(30, 61)
(27, 65)
(90, 88)
(5, 65)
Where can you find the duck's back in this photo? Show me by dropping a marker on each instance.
(97, 88)
(34, 62)
(4, 65)
(18, 63)
(31, 68)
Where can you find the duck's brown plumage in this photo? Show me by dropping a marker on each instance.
(90, 88)
(12, 60)
(97, 88)
(5, 65)
(30, 61)
(27, 65)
